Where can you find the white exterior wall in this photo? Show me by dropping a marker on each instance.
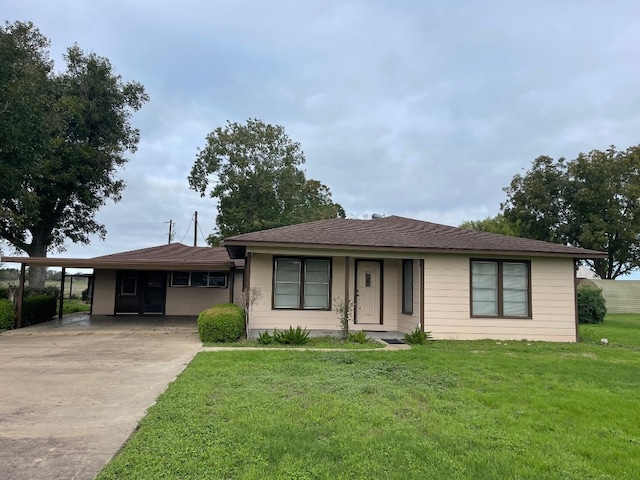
(193, 300)
(448, 309)
(104, 292)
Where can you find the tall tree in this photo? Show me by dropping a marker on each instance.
(497, 224)
(63, 137)
(592, 202)
(254, 172)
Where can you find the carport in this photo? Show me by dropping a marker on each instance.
(151, 270)
(43, 262)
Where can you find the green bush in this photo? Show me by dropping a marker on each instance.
(4, 292)
(7, 315)
(85, 295)
(49, 291)
(358, 337)
(265, 338)
(221, 323)
(38, 309)
(417, 337)
(297, 336)
(592, 307)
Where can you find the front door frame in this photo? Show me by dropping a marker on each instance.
(381, 283)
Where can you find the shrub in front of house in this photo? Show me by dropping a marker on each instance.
(38, 309)
(221, 323)
(417, 337)
(292, 336)
(7, 314)
(592, 307)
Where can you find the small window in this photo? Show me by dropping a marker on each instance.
(128, 284)
(407, 287)
(199, 279)
(218, 279)
(500, 289)
(179, 279)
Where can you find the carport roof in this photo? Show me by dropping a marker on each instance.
(175, 256)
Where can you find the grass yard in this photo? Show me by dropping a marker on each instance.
(455, 410)
(74, 306)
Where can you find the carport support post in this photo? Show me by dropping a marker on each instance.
(19, 295)
(61, 293)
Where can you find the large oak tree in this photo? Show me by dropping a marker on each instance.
(63, 137)
(592, 202)
(253, 170)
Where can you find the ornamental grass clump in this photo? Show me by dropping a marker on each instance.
(221, 323)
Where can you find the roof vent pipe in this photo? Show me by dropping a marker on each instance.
(376, 216)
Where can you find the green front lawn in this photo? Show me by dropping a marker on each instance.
(459, 410)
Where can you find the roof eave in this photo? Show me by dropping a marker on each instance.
(584, 255)
(120, 264)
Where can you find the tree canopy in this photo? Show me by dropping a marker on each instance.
(592, 202)
(253, 170)
(63, 137)
(497, 224)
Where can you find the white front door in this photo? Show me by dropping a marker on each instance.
(368, 292)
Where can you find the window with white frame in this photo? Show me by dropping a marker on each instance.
(500, 288)
(301, 283)
(199, 279)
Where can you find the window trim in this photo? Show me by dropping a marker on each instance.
(407, 263)
(208, 273)
(500, 300)
(303, 260)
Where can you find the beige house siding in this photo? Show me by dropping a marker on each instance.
(447, 302)
(179, 300)
(264, 317)
(104, 292)
(193, 300)
(238, 286)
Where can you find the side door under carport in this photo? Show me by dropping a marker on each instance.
(140, 292)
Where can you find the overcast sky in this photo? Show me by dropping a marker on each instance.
(413, 108)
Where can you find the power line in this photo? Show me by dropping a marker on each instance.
(188, 230)
(203, 237)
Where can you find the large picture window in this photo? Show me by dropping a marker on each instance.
(199, 279)
(407, 287)
(500, 288)
(301, 283)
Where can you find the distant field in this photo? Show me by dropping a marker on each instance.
(79, 284)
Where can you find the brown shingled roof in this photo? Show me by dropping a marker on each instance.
(174, 253)
(399, 233)
(175, 256)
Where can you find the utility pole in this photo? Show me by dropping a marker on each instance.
(170, 222)
(195, 230)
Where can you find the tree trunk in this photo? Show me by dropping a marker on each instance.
(37, 274)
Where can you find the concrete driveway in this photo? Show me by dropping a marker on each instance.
(72, 391)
